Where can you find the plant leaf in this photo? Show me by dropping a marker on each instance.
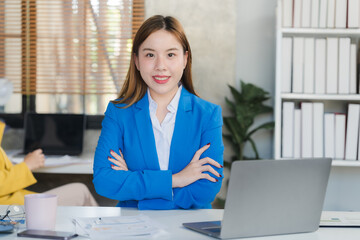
(253, 145)
(247, 105)
(268, 126)
(230, 104)
(227, 164)
(253, 93)
(230, 138)
(236, 94)
(234, 129)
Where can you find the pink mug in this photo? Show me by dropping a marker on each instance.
(40, 211)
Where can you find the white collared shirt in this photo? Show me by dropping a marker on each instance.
(163, 132)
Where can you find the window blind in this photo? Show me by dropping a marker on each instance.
(67, 46)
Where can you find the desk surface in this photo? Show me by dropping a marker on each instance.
(82, 168)
(82, 165)
(172, 223)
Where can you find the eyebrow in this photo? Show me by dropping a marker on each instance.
(152, 50)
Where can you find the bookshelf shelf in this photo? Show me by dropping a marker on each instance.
(341, 163)
(318, 32)
(345, 163)
(334, 97)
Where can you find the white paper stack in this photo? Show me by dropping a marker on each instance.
(320, 65)
(297, 13)
(332, 66)
(340, 13)
(353, 63)
(331, 14)
(287, 13)
(306, 13)
(344, 66)
(309, 63)
(318, 127)
(287, 129)
(352, 132)
(297, 133)
(315, 13)
(353, 14)
(286, 64)
(298, 62)
(329, 135)
(306, 130)
(323, 13)
(340, 125)
(117, 227)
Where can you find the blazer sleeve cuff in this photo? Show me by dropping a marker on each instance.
(159, 184)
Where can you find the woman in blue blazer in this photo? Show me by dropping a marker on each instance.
(161, 145)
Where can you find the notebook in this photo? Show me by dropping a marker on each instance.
(55, 134)
(271, 197)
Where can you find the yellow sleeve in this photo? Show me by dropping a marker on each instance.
(13, 178)
(2, 128)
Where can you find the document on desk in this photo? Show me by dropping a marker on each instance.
(340, 219)
(114, 227)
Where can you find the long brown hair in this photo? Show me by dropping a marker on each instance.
(134, 87)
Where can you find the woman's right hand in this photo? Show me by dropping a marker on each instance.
(195, 170)
(35, 159)
(118, 160)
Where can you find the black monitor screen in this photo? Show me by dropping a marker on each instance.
(56, 134)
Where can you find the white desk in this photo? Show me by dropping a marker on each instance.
(85, 167)
(82, 168)
(172, 223)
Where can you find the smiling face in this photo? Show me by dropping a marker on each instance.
(161, 61)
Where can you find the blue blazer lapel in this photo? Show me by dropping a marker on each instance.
(182, 127)
(146, 133)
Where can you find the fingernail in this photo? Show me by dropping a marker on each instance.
(111, 151)
(221, 166)
(119, 150)
(208, 144)
(220, 175)
(112, 165)
(109, 158)
(216, 180)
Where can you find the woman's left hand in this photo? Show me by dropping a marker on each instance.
(119, 161)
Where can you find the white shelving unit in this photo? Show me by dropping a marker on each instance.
(298, 97)
(343, 192)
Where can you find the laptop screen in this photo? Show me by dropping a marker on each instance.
(55, 134)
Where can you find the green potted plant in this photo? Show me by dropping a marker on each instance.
(245, 107)
(247, 104)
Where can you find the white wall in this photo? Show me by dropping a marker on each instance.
(255, 58)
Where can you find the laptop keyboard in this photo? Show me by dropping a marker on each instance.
(214, 227)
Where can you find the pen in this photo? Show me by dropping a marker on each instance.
(98, 221)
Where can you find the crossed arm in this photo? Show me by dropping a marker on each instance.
(197, 169)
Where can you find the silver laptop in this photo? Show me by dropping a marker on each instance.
(271, 197)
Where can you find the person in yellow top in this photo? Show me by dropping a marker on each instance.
(15, 178)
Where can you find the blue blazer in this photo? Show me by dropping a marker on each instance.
(145, 186)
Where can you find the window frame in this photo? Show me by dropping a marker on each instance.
(16, 120)
(28, 102)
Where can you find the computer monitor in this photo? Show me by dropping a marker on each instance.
(55, 134)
